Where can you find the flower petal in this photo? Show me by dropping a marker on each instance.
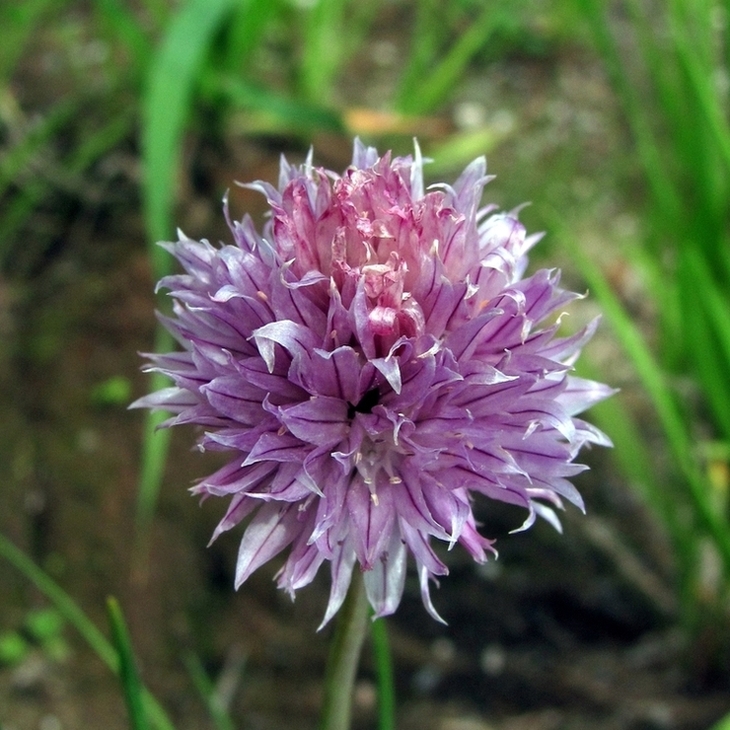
(384, 582)
(273, 527)
(321, 420)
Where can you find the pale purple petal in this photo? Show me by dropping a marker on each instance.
(341, 571)
(269, 532)
(384, 582)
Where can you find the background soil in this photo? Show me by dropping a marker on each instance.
(562, 632)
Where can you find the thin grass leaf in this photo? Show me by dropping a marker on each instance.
(246, 32)
(423, 52)
(70, 611)
(332, 30)
(724, 724)
(207, 691)
(665, 95)
(324, 38)
(649, 151)
(707, 332)
(456, 151)
(282, 112)
(122, 25)
(166, 108)
(128, 674)
(61, 600)
(18, 21)
(96, 144)
(699, 71)
(678, 51)
(683, 138)
(18, 157)
(22, 205)
(671, 419)
(437, 84)
(651, 272)
(358, 24)
(657, 55)
(632, 452)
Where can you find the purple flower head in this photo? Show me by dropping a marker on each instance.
(374, 361)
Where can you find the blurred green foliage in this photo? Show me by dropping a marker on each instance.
(673, 87)
(41, 629)
(48, 622)
(115, 391)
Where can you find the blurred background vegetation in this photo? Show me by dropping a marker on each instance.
(120, 120)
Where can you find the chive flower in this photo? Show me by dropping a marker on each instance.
(375, 361)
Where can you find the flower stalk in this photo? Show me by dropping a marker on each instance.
(344, 657)
(384, 672)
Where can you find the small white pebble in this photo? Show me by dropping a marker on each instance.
(384, 53)
(443, 650)
(50, 722)
(492, 660)
(469, 115)
(365, 696)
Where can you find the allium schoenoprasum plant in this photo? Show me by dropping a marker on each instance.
(374, 360)
(662, 60)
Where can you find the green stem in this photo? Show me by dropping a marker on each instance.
(384, 671)
(344, 657)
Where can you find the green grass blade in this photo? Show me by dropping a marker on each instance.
(173, 77)
(218, 714)
(707, 332)
(384, 672)
(632, 453)
(679, 49)
(699, 71)
(281, 112)
(122, 25)
(166, 107)
(247, 31)
(324, 38)
(61, 600)
(70, 611)
(18, 20)
(724, 724)
(98, 143)
(436, 85)
(21, 207)
(424, 47)
(332, 31)
(18, 157)
(659, 59)
(649, 269)
(128, 675)
(650, 154)
(679, 439)
(458, 150)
